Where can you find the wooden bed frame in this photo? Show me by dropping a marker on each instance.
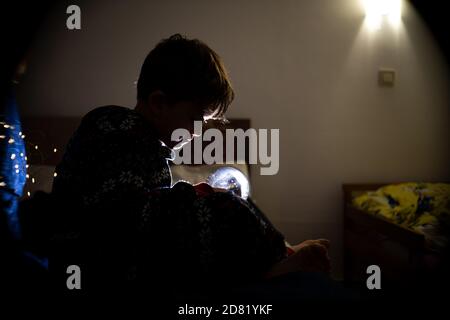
(369, 239)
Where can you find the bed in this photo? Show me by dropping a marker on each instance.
(404, 254)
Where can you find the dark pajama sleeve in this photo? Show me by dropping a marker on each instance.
(125, 221)
(216, 240)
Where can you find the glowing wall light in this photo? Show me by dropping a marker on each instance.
(377, 10)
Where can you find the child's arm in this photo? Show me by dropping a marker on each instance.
(309, 256)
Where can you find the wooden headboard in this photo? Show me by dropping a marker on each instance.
(47, 133)
(50, 132)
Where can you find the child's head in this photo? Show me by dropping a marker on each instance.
(182, 81)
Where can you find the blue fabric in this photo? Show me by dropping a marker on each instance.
(12, 163)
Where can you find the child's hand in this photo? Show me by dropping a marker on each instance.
(309, 256)
(204, 189)
(312, 255)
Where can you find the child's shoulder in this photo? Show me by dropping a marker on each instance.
(107, 119)
(110, 112)
(122, 125)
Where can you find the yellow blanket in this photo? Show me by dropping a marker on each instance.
(414, 205)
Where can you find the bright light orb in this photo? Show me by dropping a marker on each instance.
(231, 179)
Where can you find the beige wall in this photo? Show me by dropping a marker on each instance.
(307, 67)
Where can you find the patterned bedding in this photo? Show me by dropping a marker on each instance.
(422, 207)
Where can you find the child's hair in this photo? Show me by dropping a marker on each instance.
(187, 70)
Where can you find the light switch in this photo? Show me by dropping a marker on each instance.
(386, 77)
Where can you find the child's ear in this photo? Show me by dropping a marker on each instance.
(156, 101)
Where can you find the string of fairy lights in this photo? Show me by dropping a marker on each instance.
(19, 159)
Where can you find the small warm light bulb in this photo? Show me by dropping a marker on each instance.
(23, 136)
(376, 10)
(27, 166)
(11, 140)
(17, 171)
(6, 126)
(2, 184)
(28, 176)
(55, 150)
(55, 174)
(2, 137)
(21, 154)
(16, 166)
(13, 156)
(32, 180)
(36, 147)
(29, 194)
(26, 158)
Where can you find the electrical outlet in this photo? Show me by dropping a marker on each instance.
(386, 77)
